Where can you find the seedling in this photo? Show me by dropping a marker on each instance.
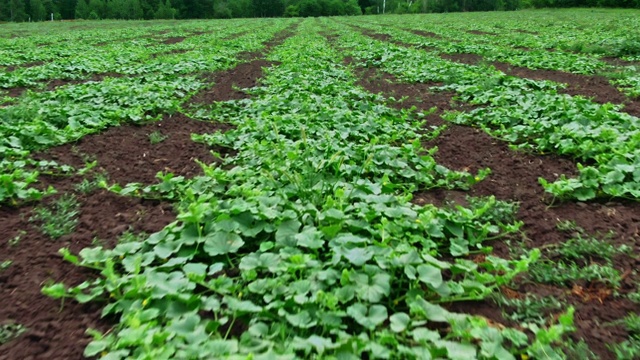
(5, 265)
(16, 239)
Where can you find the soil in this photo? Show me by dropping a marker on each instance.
(596, 87)
(478, 32)
(514, 177)
(120, 149)
(228, 84)
(174, 40)
(426, 34)
(469, 59)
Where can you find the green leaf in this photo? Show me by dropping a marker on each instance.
(287, 230)
(430, 275)
(358, 256)
(221, 243)
(96, 347)
(369, 317)
(399, 322)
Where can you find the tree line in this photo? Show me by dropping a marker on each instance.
(40, 10)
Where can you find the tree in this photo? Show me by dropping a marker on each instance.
(97, 9)
(17, 10)
(134, 10)
(221, 10)
(37, 10)
(66, 8)
(82, 10)
(165, 11)
(241, 8)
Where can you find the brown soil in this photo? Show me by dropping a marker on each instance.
(619, 62)
(426, 34)
(127, 155)
(469, 59)
(174, 40)
(228, 84)
(56, 83)
(514, 177)
(56, 330)
(16, 92)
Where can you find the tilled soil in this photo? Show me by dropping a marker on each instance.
(514, 177)
(56, 329)
(127, 154)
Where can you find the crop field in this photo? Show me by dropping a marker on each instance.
(450, 186)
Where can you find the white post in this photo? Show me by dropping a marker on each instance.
(51, 16)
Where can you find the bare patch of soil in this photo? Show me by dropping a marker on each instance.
(469, 59)
(174, 40)
(426, 34)
(127, 155)
(478, 32)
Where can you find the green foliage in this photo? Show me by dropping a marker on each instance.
(309, 240)
(58, 219)
(5, 265)
(157, 137)
(530, 309)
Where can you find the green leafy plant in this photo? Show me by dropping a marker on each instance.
(58, 219)
(10, 331)
(157, 137)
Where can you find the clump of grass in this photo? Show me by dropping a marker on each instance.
(157, 137)
(58, 219)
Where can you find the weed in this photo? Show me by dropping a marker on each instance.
(580, 247)
(578, 350)
(157, 137)
(60, 218)
(630, 348)
(10, 331)
(634, 296)
(531, 309)
(16, 239)
(568, 225)
(129, 236)
(561, 273)
(87, 186)
(5, 265)
(499, 211)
